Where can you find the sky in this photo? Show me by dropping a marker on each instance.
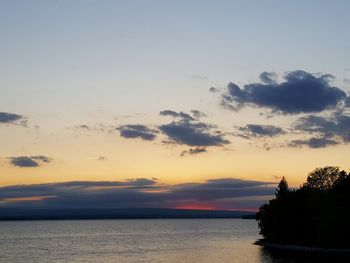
(180, 104)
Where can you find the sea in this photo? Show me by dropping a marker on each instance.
(136, 240)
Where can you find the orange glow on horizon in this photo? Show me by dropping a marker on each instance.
(210, 206)
(196, 206)
(26, 199)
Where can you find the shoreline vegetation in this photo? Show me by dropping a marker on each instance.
(315, 218)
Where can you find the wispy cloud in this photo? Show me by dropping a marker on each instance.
(175, 114)
(258, 130)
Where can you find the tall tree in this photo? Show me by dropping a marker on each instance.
(282, 188)
(324, 178)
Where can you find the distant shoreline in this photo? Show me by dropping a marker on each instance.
(136, 213)
(304, 249)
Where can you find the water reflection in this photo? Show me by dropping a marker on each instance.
(136, 241)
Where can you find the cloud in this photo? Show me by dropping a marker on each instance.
(214, 90)
(198, 114)
(102, 158)
(301, 92)
(83, 126)
(324, 130)
(186, 129)
(175, 114)
(29, 161)
(189, 131)
(268, 77)
(194, 151)
(227, 193)
(192, 133)
(10, 118)
(314, 142)
(98, 127)
(137, 131)
(256, 130)
(335, 127)
(347, 102)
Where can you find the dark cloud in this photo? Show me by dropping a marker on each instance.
(186, 129)
(29, 161)
(347, 102)
(335, 127)
(314, 142)
(102, 158)
(137, 131)
(133, 193)
(7, 118)
(214, 90)
(23, 161)
(268, 77)
(192, 133)
(222, 188)
(194, 151)
(175, 114)
(256, 130)
(324, 130)
(198, 114)
(301, 92)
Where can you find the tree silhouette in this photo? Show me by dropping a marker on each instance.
(316, 214)
(282, 188)
(324, 178)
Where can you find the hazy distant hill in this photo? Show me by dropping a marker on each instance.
(141, 213)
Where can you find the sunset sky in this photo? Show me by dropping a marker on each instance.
(181, 104)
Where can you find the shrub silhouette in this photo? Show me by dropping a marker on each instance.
(316, 214)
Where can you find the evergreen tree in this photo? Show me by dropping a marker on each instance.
(282, 188)
(316, 214)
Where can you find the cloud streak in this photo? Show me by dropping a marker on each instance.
(257, 130)
(133, 131)
(315, 143)
(141, 192)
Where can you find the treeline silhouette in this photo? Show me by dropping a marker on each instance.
(317, 214)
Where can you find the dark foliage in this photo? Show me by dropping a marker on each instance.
(282, 188)
(316, 214)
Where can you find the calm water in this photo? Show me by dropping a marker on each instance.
(169, 240)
